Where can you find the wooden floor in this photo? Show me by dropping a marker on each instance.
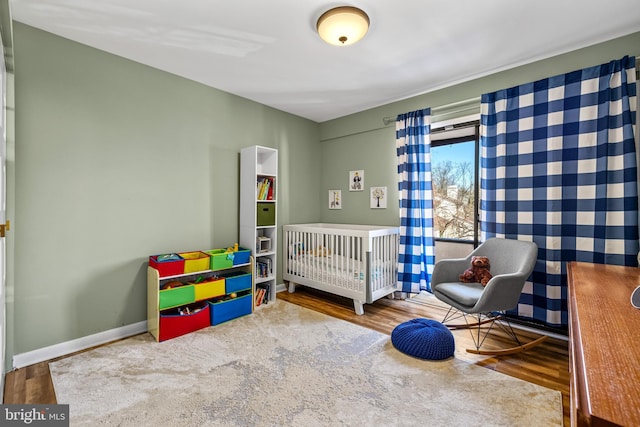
(546, 365)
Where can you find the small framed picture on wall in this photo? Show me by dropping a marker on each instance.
(356, 180)
(335, 199)
(378, 197)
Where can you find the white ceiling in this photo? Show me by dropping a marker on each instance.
(268, 50)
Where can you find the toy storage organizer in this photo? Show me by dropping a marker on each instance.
(194, 290)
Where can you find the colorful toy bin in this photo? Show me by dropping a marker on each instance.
(174, 294)
(223, 258)
(167, 264)
(208, 288)
(177, 322)
(195, 261)
(229, 308)
(236, 281)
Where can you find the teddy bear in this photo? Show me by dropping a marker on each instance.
(478, 272)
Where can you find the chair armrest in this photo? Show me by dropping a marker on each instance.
(449, 270)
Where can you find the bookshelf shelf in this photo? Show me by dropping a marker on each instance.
(258, 213)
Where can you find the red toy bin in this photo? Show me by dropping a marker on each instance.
(175, 325)
(167, 268)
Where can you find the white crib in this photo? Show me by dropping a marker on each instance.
(353, 261)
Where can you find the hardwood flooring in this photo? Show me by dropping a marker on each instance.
(546, 365)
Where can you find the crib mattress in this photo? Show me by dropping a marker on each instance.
(333, 267)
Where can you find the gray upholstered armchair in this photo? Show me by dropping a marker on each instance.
(512, 261)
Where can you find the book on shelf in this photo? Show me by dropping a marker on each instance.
(270, 190)
(262, 293)
(265, 188)
(259, 296)
(264, 267)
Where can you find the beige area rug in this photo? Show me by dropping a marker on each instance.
(289, 366)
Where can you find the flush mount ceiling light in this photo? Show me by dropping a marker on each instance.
(342, 26)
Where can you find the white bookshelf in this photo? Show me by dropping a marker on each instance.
(258, 216)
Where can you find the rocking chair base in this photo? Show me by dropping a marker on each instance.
(470, 325)
(507, 351)
(490, 319)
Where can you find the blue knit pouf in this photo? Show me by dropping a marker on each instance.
(424, 338)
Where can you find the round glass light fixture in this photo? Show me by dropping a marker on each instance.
(342, 26)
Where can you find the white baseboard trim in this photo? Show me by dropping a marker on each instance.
(539, 331)
(57, 350)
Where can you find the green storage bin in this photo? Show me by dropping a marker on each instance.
(266, 214)
(220, 259)
(176, 296)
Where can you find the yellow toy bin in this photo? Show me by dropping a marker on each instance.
(195, 261)
(213, 287)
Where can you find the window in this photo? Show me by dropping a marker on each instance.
(454, 175)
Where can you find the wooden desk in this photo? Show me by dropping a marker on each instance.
(604, 332)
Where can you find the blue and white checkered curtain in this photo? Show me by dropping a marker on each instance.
(417, 254)
(558, 167)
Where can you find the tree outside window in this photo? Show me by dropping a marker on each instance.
(453, 175)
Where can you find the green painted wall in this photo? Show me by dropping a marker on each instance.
(362, 141)
(373, 152)
(116, 161)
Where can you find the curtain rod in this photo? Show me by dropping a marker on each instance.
(388, 120)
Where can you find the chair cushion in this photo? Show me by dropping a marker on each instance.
(465, 294)
(424, 339)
